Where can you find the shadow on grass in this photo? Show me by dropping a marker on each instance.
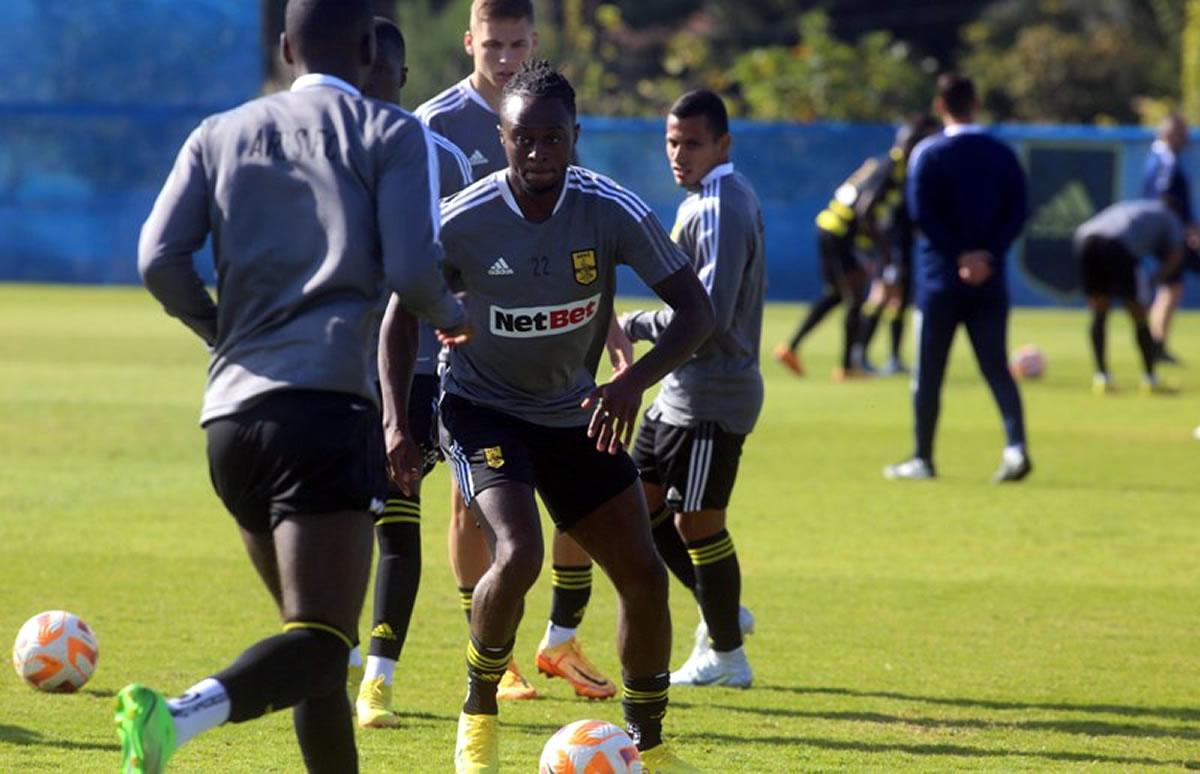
(100, 693)
(954, 750)
(27, 738)
(1186, 714)
(1084, 727)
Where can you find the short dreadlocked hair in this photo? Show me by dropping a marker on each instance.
(537, 78)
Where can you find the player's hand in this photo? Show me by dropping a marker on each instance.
(403, 458)
(615, 407)
(975, 267)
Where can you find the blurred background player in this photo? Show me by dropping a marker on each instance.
(1109, 248)
(849, 230)
(691, 437)
(499, 39)
(1165, 179)
(303, 252)
(891, 291)
(398, 528)
(967, 195)
(515, 410)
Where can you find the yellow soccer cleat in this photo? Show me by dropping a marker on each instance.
(568, 662)
(374, 705)
(477, 750)
(660, 760)
(513, 685)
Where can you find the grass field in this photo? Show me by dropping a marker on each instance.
(1050, 625)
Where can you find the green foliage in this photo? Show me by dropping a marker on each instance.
(435, 46)
(940, 627)
(1074, 61)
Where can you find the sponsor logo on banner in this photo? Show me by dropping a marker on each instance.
(533, 321)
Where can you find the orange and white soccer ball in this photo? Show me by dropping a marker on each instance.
(1027, 362)
(590, 747)
(55, 651)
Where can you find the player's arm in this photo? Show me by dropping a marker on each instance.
(175, 230)
(408, 217)
(1170, 262)
(398, 342)
(1016, 208)
(928, 205)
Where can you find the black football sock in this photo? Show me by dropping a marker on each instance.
(850, 331)
(718, 588)
(325, 729)
(465, 596)
(398, 575)
(869, 322)
(1096, 331)
(644, 703)
(671, 548)
(572, 589)
(816, 313)
(485, 667)
(307, 660)
(1145, 344)
(896, 328)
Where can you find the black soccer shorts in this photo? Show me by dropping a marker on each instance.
(486, 448)
(837, 260)
(696, 465)
(1107, 268)
(297, 452)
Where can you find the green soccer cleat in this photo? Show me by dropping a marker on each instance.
(146, 730)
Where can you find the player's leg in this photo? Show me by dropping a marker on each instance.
(1162, 311)
(851, 285)
(872, 313)
(987, 326)
(1098, 304)
(899, 300)
(398, 571)
(560, 653)
(936, 323)
(648, 455)
(1145, 342)
(1092, 256)
(827, 252)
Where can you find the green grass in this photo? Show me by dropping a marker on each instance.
(938, 626)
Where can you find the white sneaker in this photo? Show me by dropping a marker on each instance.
(915, 469)
(703, 643)
(713, 667)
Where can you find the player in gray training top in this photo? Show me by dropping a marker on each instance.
(1109, 248)
(691, 438)
(536, 249)
(398, 528)
(300, 192)
(499, 38)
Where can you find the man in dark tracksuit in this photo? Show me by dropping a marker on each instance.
(967, 196)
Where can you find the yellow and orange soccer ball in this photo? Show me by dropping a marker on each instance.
(55, 652)
(590, 747)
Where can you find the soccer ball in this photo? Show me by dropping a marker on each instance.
(1027, 362)
(56, 652)
(593, 746)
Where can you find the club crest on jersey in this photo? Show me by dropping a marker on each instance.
(584, 263)
(532, 321)
(493, 457)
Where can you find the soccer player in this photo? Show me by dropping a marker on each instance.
(515, 413)
(500, 37)
(1165, 179)
(891, 292)
(297, 191)
(398, 528)
(1109, 248)
(691, 437)
(966, 191)
(849, 229)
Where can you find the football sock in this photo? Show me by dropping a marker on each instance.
(325, 730)
(671, 548)
(1145, 344)
(355, 659)
(850, 329)
(896, 328)
(307, 660)
(485, 667)
(397, 576)
(572, 589)
(718, 588)
(378, 666)
(816, 313)
(1096, 331)
(867, 326)
(556, 635)
(466, 594)
(644, 703)
(203, 706)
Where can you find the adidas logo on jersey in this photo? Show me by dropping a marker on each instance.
(533, 321)
(500, 268)
(477, 158)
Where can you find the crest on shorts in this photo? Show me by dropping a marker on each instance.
(493, 457)
(584, 263)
